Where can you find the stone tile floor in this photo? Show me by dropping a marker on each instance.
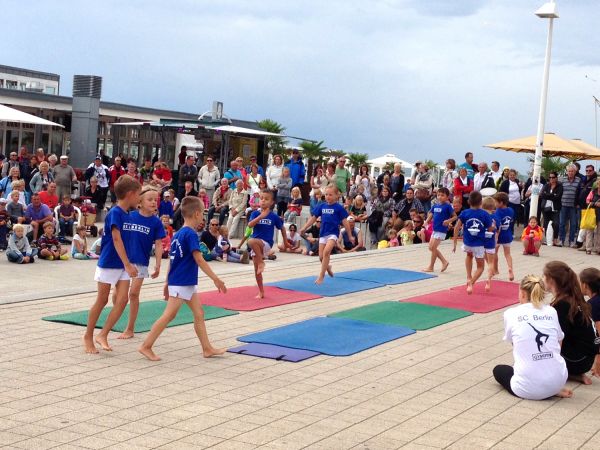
(433, 389)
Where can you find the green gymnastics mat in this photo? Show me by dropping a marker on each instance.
(412, 315)
(147, 315)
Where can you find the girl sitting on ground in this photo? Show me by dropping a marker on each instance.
(294, 208)
(393, 238)
(79, 249)
(590, 286)
(294, 242)
(225, 252)
(533, 329)
(407, 234)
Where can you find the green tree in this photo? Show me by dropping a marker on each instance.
(274, 144)
(355, 160)
(553, 164)
(314, 152)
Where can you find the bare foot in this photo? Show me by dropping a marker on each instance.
(488, 286)
(565, 393)
(89, 347)
(330, 271)
(260, 267)
(127, 334)
(148, 353)
(511, 275)
(496, 272)
(103, 343)
(445, 266)
(428, 269)
(469, 288)
(260, 295)
(213, 352)
(319, 280)
(583, 379)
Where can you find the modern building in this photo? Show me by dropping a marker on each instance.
(89, 127)
(29, 80)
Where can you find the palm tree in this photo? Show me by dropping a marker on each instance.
(314, 152)
(355, 160)
(274, 144)
(553, 164)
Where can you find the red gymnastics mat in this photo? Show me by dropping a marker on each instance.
(244, 298)
(503, 294)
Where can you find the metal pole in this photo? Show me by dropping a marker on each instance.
(537, 162)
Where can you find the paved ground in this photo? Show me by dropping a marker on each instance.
(429, 390)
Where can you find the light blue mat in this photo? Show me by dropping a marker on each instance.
(385, 276)
(331, 287)
(330, 335)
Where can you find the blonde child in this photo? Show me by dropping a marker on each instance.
(79, 249)
(489, 205)
(534, 330)
(294, 207)
(532, 237)
(253, 203)
(474, 222)
(202, 195)
(332, 215)
(19, 251)
(441, 215)
(393, 238)
(358, 209)
(182, 281)
(224, 251)
(15, 209)
(316, 199)
(49, 245)
(407, 234)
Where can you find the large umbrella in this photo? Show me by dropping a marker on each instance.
(14, 115)
(554, 145)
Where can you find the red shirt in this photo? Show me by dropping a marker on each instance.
(115, 173)
(163, 174)
(49, 200)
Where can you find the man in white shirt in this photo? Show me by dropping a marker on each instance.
(496, 172)
(209, 177)
(482, 179)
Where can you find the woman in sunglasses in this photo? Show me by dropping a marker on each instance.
(550, 203)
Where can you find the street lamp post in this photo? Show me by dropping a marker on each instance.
(547, 11)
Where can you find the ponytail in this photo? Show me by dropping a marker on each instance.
(535, 289)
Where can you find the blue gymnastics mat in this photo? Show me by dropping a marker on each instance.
(273, 352)
(385, 276)
(330, 335)
(331, 287)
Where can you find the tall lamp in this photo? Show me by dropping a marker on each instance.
(547, 11)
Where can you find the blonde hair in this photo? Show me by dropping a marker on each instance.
(296, 190)
(488, 204)
(534, 288)
(18, 227)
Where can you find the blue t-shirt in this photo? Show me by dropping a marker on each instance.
(595, 304)
(265, 229)
(504, 221)
(490, 242)
(143, 231)
(441, 213)
(165, 208)
(230, 174)
(183, 270)
(475, 223)
(331, 218)
(116, 218)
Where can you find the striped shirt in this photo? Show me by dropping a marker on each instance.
(570, 191)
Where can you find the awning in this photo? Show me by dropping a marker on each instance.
(14, 115)
(234, 129)
(207, 126)
(554, 145)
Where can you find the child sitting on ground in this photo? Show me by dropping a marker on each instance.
(294, 208)
(532, 237)
(4, 224)
(202, 195)
(223, 250)
(19, 251)
(293, 239)
(66, 217)
(49, 245)
(79, 248)
(358, 209)
(96, 246)
(393, 238)
(316, 200)
(407, 234)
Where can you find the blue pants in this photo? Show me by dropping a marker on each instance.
(17, 257)
(3, 232)
(568, 214)
(66, 227)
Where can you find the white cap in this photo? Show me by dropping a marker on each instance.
(64, 157)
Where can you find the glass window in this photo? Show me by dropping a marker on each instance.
(134, 150)
(50, 90)
(109, 147)
(57, 142)
(27, 139)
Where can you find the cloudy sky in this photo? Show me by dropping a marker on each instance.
(419, 78)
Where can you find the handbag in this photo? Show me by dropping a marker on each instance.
(588, 218)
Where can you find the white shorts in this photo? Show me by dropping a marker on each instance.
(507, 244)
(183, 292)
(440, 236)
(329, 237)
(266, 248)
(142, 271)
(490, 251)
(110, 276)
(478, 252)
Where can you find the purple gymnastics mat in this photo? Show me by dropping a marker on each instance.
(273, 352)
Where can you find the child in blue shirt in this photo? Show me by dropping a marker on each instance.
(505, 219)
(166, 205)
(489, 242)
(146, 230)
(442, 215)
(182, 281)
(263, 223)
(114, 267)
(474, 222)
(332, 215)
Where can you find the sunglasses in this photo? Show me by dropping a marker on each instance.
(209, 160)
(552, 176)
(214, 224)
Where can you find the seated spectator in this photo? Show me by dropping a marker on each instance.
(344, 245)
(253, 203)
(48, 196)
(316, 199)
(161, 176)
(15, 209)
(19, 251)
(223, 250)
(358, 209)
(188, 190)
(294, 207)
(407, 234)
(4, 223)
(532, 237)
(66, 217)
(238, 199)
(293, 239)
(204, 197)
(96, 247)
(393, 238)
(19, 186)
(37, 214)
(96, 194)
(220, 202)
(418, 222)
(311, 238)
(174, 200)
(166, 206)
(79, 249)
(49, 246)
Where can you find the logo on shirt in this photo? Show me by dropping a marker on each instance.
(540, 339)
(474, 226)
(328, 211)
(175, 249)
(265, 222)
(136, 227)
(505, 224)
